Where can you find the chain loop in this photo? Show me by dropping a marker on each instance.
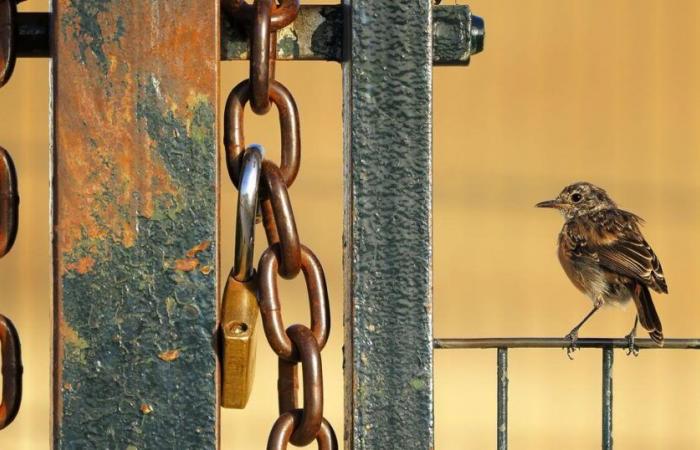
(282, 15)
(260, 73)
(234, 140)
(280, 224)
(8, 52)
(11, 372)
(287, 423)
(9, 203)
(270, 308)
(312, 373)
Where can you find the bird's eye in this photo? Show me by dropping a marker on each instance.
(576, 197)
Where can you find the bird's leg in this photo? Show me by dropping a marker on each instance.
(573, 334)
(632, 348)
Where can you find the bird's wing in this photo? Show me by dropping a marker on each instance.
(620, 247)
(634, 259)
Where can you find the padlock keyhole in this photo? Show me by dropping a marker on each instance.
(238, 328)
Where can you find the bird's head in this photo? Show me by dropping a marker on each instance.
(578, 199)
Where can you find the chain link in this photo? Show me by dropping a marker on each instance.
(270, 306)
(11, 372)
(278, 217)
(234, 140)
(260, 70)
(9, 223)
(9, 202)
(285, 255)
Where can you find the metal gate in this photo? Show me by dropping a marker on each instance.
(135, 225)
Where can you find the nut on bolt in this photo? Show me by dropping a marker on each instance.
(477, 33)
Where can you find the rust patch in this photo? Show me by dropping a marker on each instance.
(186, 264)
(109, 202)
(170, 355)
(82, 266)
(199, 248)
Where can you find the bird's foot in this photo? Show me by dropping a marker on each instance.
(572, 347)
(632, 348)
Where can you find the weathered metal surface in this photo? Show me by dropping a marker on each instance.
(388, 232)
(528, 342)
(317, 34)
(502, 399)
(134, 223)
(607, 398)
(456, 35)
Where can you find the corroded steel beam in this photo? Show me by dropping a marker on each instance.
(317, 34)
(134, 223)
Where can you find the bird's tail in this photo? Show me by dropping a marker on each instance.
(647, 313)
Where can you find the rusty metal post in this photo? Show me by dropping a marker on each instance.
(388, 233)
(134, 223)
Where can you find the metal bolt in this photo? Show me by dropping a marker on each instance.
(478, 34)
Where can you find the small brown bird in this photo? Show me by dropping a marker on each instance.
(606, 257)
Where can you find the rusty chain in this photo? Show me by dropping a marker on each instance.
(11, 372)
(285, 255)
(9, 209)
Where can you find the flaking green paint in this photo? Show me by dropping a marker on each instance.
(83, 19)
(132, 304)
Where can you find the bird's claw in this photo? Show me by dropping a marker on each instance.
(572, 347)
(632, 348)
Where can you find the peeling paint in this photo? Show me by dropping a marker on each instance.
(134, 223)
(169, 355)
(186, 264)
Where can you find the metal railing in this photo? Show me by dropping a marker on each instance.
(607, 345)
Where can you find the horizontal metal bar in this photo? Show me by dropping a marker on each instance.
(607, 398)
(544, 342)
(317, 34)
(33, 35)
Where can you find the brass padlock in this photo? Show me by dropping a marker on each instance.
(239, 311)
(239, 319)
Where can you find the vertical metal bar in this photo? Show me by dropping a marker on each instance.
(502, 430)
(607, 398)
(134, 227)
(388, 250)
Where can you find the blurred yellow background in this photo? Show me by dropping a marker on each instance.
(607, 92)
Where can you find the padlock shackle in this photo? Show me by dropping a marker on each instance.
(248, 187)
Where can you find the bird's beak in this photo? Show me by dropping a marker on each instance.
(548, 204)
